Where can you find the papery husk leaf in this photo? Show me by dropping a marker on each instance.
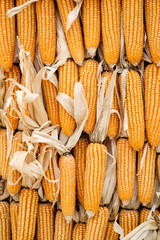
(5, 193)
(15, 197)
(114, 205)
(41, 194)
(82, 214)
(111, 175)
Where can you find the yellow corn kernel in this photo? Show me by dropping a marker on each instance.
(113, 126)
(111, 234)
(97, 225)
(26, 27)
(88, 78)
(152, 16)
(50, 188)
(63, 230)
(27, 214)
(67, 168)
(152, 103)
(14, 208)
(46, 24)
(96, 160)
(7, 35)
(135, 110)
(91, 25)
(50, 94)
(132, 14)
(4, 162)
(74, 34)
(147, 175)
(144, 214)
(11, 113)
(126, 169)
(79, 231)
(111, 29)
(17, 145)
(27, 106)
(79, 152)
(5, 224)
(68, 76)
(128, 220)
(45, 222)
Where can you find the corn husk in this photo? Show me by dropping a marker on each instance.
(114, 205)
(3, 190)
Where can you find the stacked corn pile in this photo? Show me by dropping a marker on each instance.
(107, 184)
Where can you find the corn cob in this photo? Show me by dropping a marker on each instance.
(97, 225)
(4, 162)
(111, 234)
(126, 169)
(14, 208)
(152, 103)
(7, 35)
(74, 34)
(26, 27)
(152, 20)
(79, 153)
(78, 232)
(11, 113)
(158, 166)
(111, 29)
(63, 230)
(91, 25)
(50, 188)
(96, 160)
(46, 24)
(49, 94)
(147, 175)
(144, 214)
(67, 168)
(28, 208)
(68, 76)
(135, 110)
(17, 145)
(5, 224)
(45, 222)
(88, 78)
(132, 13)
(128, 220)
(113, 126)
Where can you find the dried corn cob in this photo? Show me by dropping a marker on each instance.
(63, 230)
(128, 220)
(111, 29)
(28, 208)
(74, 34)
(147, 174)
(152, 103)
(144, 214)
(88, 78)
(111, 234)
(97, 225)
(17, 145)
(49, 94)
(132, 12)
(67, 168)
(46, 24)
(126, 169)
(113, 126)
(135, 110)
(79, 231)
(158, 166)
(4, 162)
(7, 35)
(79, 153)
(14, 208)
(11, 113)
(45, 222)
(96, 160)
(68, 76)
(152, 19)
(5, 224)
(50, 188)
(91, 25)
(26, 27)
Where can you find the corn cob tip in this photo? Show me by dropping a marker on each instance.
(90, 214)
(68, 219)
(92, 51)
(79, 63)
